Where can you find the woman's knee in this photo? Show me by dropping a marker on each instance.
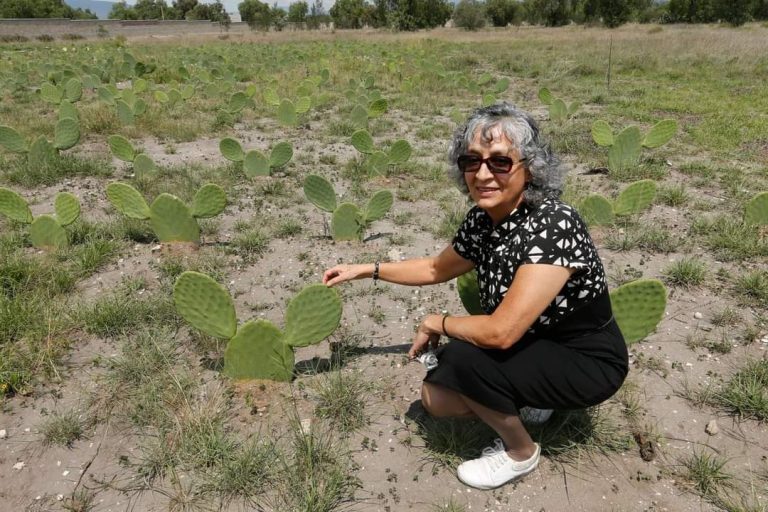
(442, 402)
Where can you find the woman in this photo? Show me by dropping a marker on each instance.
(548, 338)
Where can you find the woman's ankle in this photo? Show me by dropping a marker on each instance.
(522, 454)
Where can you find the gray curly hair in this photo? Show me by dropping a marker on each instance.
(547, 172)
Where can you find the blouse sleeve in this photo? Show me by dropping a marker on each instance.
(559, 237)
(466, 240)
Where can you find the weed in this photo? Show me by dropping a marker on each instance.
(730, 238)
(686, 272)
(675, 195)
(726, 317)
(288, 228)
(746, 392)
(341, 398)
(707, 475)
(20, 172)
(449, 506)
(753, 286)
(642, 237)
(251, 244)
(62, 428)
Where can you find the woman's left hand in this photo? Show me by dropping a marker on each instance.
(427, 336)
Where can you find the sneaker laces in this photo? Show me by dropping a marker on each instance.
(498, 446)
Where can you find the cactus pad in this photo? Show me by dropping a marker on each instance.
(121, 148)
(346, 223)
(597, 210)
(67, 208)
(125, 112)
(558, 111)
(756, 211)
(258, 352)
(128, 201)
(205, 304)
(378, 205)
(237, 102)
(13, 206)
(281, 154)
(320, 192)
(11, 140)
(231, 149)
(660, 133)
(312, 315)
(68, 111)
(377, 108)
(50, 93)
(635, 198)
(209, 201)
(400, 152)
(545, 96)
(469, 293)
(172, 221)
(359, 117)
(602, 133)
(67, 134)
(73, 90)
(286, 113)
(142, 164)
(362, 141)
(638, 308)
(41, 153)
(255, 164)
(303, 104)
(46, 233)
(378, 161)
(271, 97)
(625, 151)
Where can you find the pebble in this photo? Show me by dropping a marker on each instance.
(698, 316)
(712, 428)
(19, 466)
(3, 434)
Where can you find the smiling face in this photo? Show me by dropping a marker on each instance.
(497, 194)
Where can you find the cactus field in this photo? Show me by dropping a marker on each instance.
(168, 207)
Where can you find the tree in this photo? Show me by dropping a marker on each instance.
(297, 12)
(212, 12)
(552, 13)
(277, 17)
(735, 12)
(182, 7)
(151, 9)
(502, 12)
(469, 14)
(42, 9)
(256, 14)
(614, 12)
(317, 15)
(350, 13)
(121, 11)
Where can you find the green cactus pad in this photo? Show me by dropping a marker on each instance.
(597, 210)
(13, 206)
(258, 352)
(67, 208)
(303, 104)
(106, 95)
(271, 97)
(635, 198)
(378, 161)
(359, 117)
(756, 211)
(378, 205)
(139, 85)
(573, 108)
(558, 111)
(255, 164)
(128, 201)
(209, 201)
(602, 133)
(400, 152)
(626, 148)
(41, 153)
(51, 93)
(161, 97)
(172, 221)
(377, 108)
(545, 96)
(312, 315)
(362, 141)
(121, 148)
(237, 102)
(286, 113)
(320, 192)
(46, 233)
(143, 165)
(73, 90)
(12, 140)
(205, 304)
(469, 293)
(139, 107)
(661, 133)
(188, 91)
(174, 96)
(125, 112)
(67, 134)
(501, 86)
(231, 149)
(638, 308)
(68, 111)
(488, 99)
(281, 154)
(347, 223)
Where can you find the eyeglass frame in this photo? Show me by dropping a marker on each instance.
(486, 161)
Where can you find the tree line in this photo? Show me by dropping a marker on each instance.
(178, 10)
(42, 9)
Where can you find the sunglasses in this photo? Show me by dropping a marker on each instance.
(497, 164)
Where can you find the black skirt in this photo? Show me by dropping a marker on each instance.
(578, 363)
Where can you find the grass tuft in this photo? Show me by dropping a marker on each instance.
(62, 428)
(686, 273)
(341, 398)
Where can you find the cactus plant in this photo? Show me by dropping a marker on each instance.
(558, 110)
(71, 91)
(123, 150)
(128, 104)
(255, 163)
(171, 220)
(637, 306)
(41, 152)
(45, 231)
(378, 160)
(288, 111)
(257, 349)
(348, 222)
(599, 211)
(625, 147)
(756, 211)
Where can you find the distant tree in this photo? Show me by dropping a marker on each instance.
(152, 9)
(277, 17)
(410, 14)
(42, 9)
(350, 13)
(317, 15)
(502, 12)
(180, 8)
(552, 13)
(469, 14)
(297, 12)
(760, 9)
(257, 14)
(212, 12)
(735, 12)
(122, 11)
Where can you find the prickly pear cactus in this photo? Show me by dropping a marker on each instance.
(45, 231)
(255, 163)
(123, 150)
(312, 315)
(638, 308)
(661, 133)
(12, 140)
(624, 148)
(756, 211)
(347, 223)
(320, 193)
(625, 151)
(597, 210)
(13, 206)
(469, 293)
(378, 206)
(172, 221)
(205, 304)
(258, 351)
(635, 198)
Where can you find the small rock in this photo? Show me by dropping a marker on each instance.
(698, 316)
(306, 425)
(712, 428)
(156, 248)
(3, 434)
(19, 466)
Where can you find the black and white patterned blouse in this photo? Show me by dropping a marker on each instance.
(552, 233)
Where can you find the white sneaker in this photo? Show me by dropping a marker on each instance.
(495, 468)
(533, 416)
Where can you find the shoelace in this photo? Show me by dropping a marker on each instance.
(498, 446)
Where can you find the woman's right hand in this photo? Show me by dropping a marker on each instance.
(341, 273)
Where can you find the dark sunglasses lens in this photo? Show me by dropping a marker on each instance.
(499, 164)
(469, 163)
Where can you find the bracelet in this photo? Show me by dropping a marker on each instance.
(445, 333)
(376, 273)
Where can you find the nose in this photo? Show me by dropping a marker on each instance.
(484, 172)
